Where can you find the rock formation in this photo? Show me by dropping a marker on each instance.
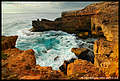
(43, 73)
(82, 68)
(104, 23)
(83, 53)
(8, 42)
(21, 65)
(106, 57)
(96, 20)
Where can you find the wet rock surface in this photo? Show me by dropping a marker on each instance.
(99, 19)
(63, 67)
(83, 53)
(8, 42)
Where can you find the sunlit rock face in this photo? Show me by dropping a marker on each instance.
(100, 20)
(70, 24)
(106, 57)
(15, 61)
(22, 61)
(104, 24)
(21, 65)
(82, 68)
(43, 73)
(106, 49)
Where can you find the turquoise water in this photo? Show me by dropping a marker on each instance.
(47, 45)
(51, 48)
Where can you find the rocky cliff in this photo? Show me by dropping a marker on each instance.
(104, 23)
(99, 19)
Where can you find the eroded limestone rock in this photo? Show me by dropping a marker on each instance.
(106, 57)
(82, 68)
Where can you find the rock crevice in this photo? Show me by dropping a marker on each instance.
(99, 20)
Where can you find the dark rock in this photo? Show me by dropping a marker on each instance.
(67, 24)
(56, 58)
(8, 42)
(46, 20)
(84, 53)
(58, 19)
(63, 67)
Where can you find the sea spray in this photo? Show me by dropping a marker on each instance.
(51, 47)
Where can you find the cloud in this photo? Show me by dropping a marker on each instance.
(26, 7)
(41, 7)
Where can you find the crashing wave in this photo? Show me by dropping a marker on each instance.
(51, 47)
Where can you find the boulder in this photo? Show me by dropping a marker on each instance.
(83, 53)
(78, 51)
(17, 63)
(8, 42)
(23, 61)
(63, 67)
(82, 68)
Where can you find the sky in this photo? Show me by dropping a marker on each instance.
(41, 7)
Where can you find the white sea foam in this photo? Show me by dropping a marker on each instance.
(48, 45)
(51, 48)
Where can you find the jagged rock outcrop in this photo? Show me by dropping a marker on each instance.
(106, 20)
(63, 67)
(71, 24)
(45, 25)
(106, 57)
(99, 19)
(106, 50)
(15, 61)
(8, 42)
(67, 24)
(22, 61)
(83, 53)
(82, 69)
(78, 51)
(104, 23)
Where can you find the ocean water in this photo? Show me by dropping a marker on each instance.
(12, 22)
(51, 47)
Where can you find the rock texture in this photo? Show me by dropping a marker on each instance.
(83, 53)
(21, 65)
(83, 69)
(8, 42)
(63, 67)
(92, 20)
(43, 73)
(67, 24)
(99, 19)
(106, 49)
(106, 20)
(104, 25)
(106, 57)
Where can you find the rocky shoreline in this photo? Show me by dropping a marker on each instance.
(96, 20)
